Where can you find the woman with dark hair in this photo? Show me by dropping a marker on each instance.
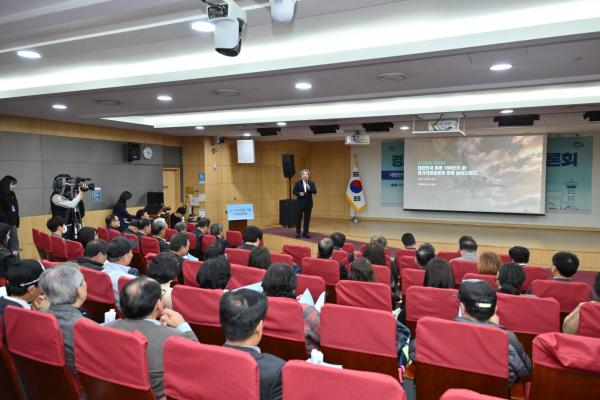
(7, 257)
(361, 270)
(260, 257)
(9, 210)
(510, 278)
(120, 210)
(438, 274)
(375, 253)
(164, 269)
(214, 273)
(86, 235)
(280, 281)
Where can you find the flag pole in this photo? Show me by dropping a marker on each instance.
(355, 218)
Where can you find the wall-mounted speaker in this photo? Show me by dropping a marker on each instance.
(134, 151)
(289, 168)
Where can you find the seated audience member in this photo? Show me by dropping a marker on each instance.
(510, 278)
(132, 227)
(408, 241)
(361, 270)
(242, 315)
(571, 322)
(214, 273)
(438, 274)
(119, 256)
(56, 225)
(66, 291)
(159, 228)
(180, 246)
(478, 306)
(339, 239)
(180, 227)
(7, 257)
(252, 237)
(468, 249)
(217, 231)
(22, 289)
(144, 311)
(375, 253)
(113, 223)
(120, 210)
(144, 228)
(260, 257)
(164, 269)
(379, 240)
(202, 228)
(325, 250)
(281, 281)
(95, 255)
(213, 250)
(488, 263)
(564, 265)
(425, 253)
(177, 216)
(519, 254)
(142, 214)
(86, 235)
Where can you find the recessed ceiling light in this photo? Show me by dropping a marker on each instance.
(404, 128)
(392, 77)
(281, 124)
(501, 67)
(28, 54)
(506, 112)
(247, 134)
(203, 26)
(59, 106)
(303, 85)
(199, 128)
(164, 97)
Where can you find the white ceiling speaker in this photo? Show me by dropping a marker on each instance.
(282, 10)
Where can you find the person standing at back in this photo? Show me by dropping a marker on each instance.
(9, 210)
(304, 190)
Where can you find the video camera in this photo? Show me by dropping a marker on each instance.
(69, 186)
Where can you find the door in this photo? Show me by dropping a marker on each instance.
(171, 187)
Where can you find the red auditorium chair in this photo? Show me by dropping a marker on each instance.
(117, 369)
(190, 272)
(124, 280)
(340, 256)
(148, 257)
(100, 294)
(169, 233)
(448, 255)
(113, 234)
(348, 247)
(103, 234)
(589, 320)
(207, 240)
(383, 274)
(460, 268)
(50, 264)
(329, 270)
(138, 261)
(404, 262)
(194, 370)
(359, 338)
(9, 381)
(333, 383)
(282, 258)
(37, 243)
(505, 258)
(192, 241)
(283, 333)
(565, 367)
(406, 253)
(528, 316)
(59, 249)
(465, 394)
(377, 296)
(36, 345)
(45, 243)
(411, 277)
(533, 273)
(456, 363)
(234, 238)
(244, 276)
(74, 250)
(190, 227)
(149, 245)
(237, 256)
(297, 252)
(200, 309)
(490, 279)
(315, 285)
(424, 301)
(568, 294)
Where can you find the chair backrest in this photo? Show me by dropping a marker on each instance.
(406, 252)
(283, 333)
(533, 273)
(237, 256)
(35, 233)
(190, 227)
(113, 234)
(50, 264)
(359, 338)
(138, 248)
(103, 233)
(333, 383)
(490, 279)
(315, 285)
(505, 258)
(452, 362)
(9, 381)
(149, 245)
(340, 256)
(190, 272)
(59, 248)
(194, 370)
(568, 294)
(460, 268)
(297, 252)
(448, 255)
(122, 282)
(328, 269)
(74, 250)
(382, 273)
(100, 294)
(169, 233)
(377, 296)
(412, 277)
(348, 247)
(466, 394)
(200, 308)
(45, 242)
(404, 262)
(234, 238)
(121, 372)
(36, 344)
(424, 301)
(207, 240)
(565, 367)
(243, 276)
(589, 320)
(192, 240)
(282, 258)
(148, 257)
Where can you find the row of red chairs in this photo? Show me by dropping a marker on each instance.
(55, 248)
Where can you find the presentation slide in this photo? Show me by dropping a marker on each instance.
(497, 174)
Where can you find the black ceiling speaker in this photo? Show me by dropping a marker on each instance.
(268, 131)
(592, 116)
(324, 129)
(517, 120)
(378, 126)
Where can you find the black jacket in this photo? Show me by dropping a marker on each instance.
(89, 263)
(9, 208)
(7, 258)
(269, 371)
(306, 200)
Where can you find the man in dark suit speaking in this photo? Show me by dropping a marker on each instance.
(304, 191)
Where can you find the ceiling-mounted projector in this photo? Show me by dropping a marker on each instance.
(282, 10)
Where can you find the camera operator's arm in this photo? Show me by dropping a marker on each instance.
(61, 201)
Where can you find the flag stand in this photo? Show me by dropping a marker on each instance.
(355, 218)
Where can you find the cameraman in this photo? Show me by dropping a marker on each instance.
(67, 202)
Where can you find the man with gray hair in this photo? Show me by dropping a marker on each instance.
(158, 231)
(66, 291)
(325, 250)
(217, 231)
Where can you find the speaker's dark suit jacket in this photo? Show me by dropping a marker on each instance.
(306, 200)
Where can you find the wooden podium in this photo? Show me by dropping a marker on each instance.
(238, 215)
(238, 225)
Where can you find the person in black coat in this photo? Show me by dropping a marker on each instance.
(120, 210)
(304, 190)
(7, 257)
(9, 210)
